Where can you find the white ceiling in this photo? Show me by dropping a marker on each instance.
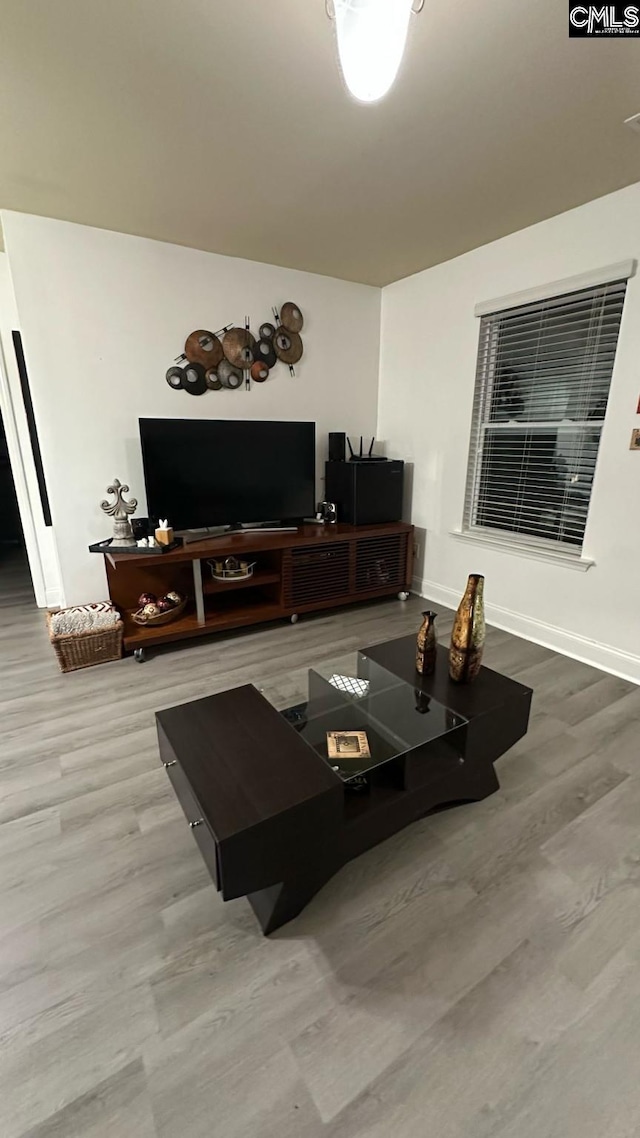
(224, 125)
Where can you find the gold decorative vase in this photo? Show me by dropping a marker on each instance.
(426, 645)
(467, 638)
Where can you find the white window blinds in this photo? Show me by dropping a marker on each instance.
(542, 384)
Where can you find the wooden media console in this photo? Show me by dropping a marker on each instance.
(315, 568)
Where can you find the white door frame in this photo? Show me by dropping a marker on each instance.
(21, 486)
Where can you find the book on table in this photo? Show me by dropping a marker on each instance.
(348, 745)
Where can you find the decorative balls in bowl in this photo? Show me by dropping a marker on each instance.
(159, 610)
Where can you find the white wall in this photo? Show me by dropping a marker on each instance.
(104, 314)
(39, 539)
(428, 360)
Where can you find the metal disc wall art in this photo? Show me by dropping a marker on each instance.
(265, 352)
(229, 375)
(238, 346)
(233, 356)
(214, 383)
(259, 371)
(204, 348)
(194, 379)
(291, 317)
(175, 378)
(288, 346)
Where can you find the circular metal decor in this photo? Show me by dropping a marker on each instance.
(175, 378)
(238, 346)
(194, 379)
(213, 380)
(203, 347)
(229, 375)
(265, 352)
(259, 371)
(291, 317)
(288, 346)
(267, 331)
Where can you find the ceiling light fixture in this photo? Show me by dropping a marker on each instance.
(371, 36)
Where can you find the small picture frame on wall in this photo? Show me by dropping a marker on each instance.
(635, 440)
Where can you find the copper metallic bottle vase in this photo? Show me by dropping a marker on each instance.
(467, 638)
(426, 645)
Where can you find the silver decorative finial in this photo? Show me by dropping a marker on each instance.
(119, 511)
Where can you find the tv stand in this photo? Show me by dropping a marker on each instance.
(268, 529)
(191, 535)
(297, 570)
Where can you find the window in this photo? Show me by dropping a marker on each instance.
(543, 378)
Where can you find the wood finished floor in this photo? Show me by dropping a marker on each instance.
(477, 976)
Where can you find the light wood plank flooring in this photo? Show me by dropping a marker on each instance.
(478, 975)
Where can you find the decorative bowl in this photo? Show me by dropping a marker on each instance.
(231, 569)
(161, 618)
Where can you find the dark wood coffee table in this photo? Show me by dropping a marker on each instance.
(275, 818)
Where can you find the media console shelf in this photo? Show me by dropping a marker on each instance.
(315, 568)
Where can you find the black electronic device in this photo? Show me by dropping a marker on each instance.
(141, 527)
(337, 446)
(366, 492)
(327, 513)
(361, 457)
(201, 473)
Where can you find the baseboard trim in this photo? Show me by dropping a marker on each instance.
(54, 599)
(593, 652)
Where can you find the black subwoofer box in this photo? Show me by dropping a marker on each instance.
(337, 446)
(365, 492)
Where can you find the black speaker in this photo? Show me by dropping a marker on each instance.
(337, 446)
(365, 492)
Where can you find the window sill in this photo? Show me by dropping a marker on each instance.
(550, 556)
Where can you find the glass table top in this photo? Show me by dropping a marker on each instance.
(352, 694)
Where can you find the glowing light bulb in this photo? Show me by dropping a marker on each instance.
(371, 35)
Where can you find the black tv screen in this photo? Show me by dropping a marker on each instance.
(209, 472)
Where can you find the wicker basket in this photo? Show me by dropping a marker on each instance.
(83, 649)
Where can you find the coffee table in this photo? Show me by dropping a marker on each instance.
(275, 817)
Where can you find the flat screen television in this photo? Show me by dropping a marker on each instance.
(211, 472)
